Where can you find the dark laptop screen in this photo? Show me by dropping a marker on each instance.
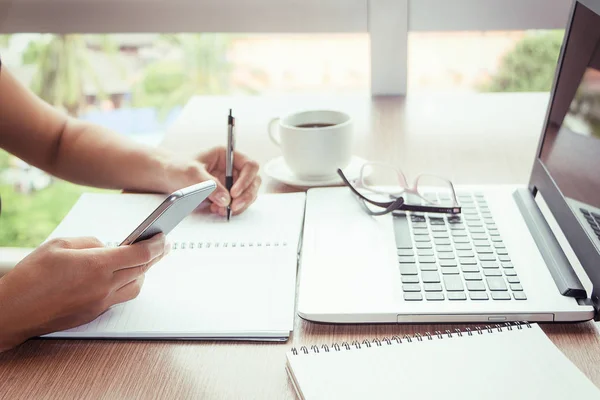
(571, 147)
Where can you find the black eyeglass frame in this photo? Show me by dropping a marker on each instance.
(398, 204)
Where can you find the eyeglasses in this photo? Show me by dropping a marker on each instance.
(429, 193)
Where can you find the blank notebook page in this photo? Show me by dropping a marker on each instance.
(223, 279)
(517, 364)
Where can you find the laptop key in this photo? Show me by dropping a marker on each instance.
(430, 277)
(406, 259)
(461, 240)
(502, 252)
(499, 245)
(468, 261)
(493, 232)
(489, 264)
(507, 265)
(428, 267)
(402, 232)
(455, 226)
(496, 239)
(469, 268)
(475, 286)
(500, 295)
(442, 242)
(465, 253)
(422, 239)
(406, 252)
(408, 269)
(470, 276)
(504, 258)
(474, 223)
(513, 279)
(440, 235)
(448, 263)
(479, 236)
(492, 272)
(453, 283)
(427, 260)
(425, 252)
(438, 228)
(487, 257)
(456, 296)
(484, 250)
(413, 296)
(458, 233)
(519, 296)
(423, 245)
(446, 256)
(420, 231)
(477, 230)
(433, 296)
(411, 287)
(496, 283)
(444, 249)
(410, 279)
(478, 296)
(516, 287)
(462, 246)
(481, 243)
(432, 287)
(449, 271)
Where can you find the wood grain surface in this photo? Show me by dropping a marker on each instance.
(472, 139)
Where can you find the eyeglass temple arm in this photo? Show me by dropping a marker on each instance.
(391, 205)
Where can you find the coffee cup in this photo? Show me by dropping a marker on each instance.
(314, 143)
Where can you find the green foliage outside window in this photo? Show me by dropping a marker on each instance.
(530, 66)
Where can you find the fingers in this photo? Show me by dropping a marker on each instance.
(248, 172)
(241, 203)
(125, 276)
(220, 195)
(128, 292)
(246, 181)
(75, 243)
(129, 256)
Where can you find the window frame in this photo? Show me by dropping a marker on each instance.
(382, 19)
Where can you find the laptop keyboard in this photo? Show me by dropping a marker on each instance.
(455, 257)
(593, 219)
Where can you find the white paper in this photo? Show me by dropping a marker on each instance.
(237, 280)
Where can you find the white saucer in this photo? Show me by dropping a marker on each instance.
(278, 170)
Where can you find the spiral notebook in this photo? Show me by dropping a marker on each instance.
(226, 280)
(495, 363)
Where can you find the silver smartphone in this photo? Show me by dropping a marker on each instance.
(171, 212)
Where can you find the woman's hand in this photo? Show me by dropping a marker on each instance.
(68, 282)
(211, 165)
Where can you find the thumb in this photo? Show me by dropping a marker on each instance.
(220, 195)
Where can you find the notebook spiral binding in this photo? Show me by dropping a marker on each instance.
(208, 245)
(406, 338)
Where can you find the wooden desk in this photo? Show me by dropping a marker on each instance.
(488, 138)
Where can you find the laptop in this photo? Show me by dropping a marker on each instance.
(512, 254)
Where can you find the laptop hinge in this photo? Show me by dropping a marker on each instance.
(557, 262)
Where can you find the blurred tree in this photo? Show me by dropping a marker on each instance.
(203, 69)
(4, 40)
(62, 65)
(530, 66)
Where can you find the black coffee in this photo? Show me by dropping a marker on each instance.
(314, 125)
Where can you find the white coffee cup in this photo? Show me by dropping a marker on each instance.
(314, 143)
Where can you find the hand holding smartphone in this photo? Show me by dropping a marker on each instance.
(171, 211)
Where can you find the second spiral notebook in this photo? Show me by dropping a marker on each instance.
(493, 363)
(222, 280)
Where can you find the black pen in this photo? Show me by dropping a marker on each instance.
(229, 159)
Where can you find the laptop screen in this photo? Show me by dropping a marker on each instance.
(570, 149)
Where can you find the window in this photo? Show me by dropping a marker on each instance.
(483, 61)
(136, 84)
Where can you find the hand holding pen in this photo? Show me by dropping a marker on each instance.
(212, 164)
